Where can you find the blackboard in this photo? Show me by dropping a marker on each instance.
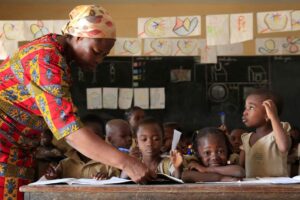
(213, 88)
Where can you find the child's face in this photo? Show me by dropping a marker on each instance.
(121, 138)
(254, 114)
(149, 139)
(168, 131)
(235, 139)
(212, 151)
(135, 118)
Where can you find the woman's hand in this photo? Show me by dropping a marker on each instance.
(52, 172)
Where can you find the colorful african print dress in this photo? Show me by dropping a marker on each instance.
(34, 95)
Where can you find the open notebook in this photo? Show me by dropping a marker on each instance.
(161, 179)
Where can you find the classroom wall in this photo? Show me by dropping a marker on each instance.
(126, 14)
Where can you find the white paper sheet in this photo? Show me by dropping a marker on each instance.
(208, 53)
(275, 21)
(12, 30)
(176, 138)
(125, 98)
(241, 27)
(94, 98)
(110, 98)
(7, 48)
(186, 47)
(269, 46)
(37, 28)
(295, 20)
(141, 97)
(230, 49)
(162, 27)
(158, 47)
(217, 29)
(128, 47)
(157, 98)
(58, 25)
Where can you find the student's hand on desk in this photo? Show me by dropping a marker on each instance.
(193, 165)
(229, 179)
(52, 173)
(176, 158)
(100, 176)
(138, 171)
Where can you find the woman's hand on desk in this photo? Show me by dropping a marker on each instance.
(137, 171)
(52, 172)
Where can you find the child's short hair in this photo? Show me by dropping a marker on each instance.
(131, 110)
(268, 94)
(151, 120)
(202, 133)
(93, 118)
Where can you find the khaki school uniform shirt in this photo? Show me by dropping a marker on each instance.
(263, 158)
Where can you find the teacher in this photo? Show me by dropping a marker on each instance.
(35, 95)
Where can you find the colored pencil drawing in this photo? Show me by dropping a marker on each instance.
(162, 47)
(241, 27)
(291, 45)
(186, 26)
(36, 29)
(269, 46)
(217, 29)
(186, 47)
(268, 22)
(295, 20)
(13, 30)
(127, 47)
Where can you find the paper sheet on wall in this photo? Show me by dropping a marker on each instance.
(37, 28)
(241, 27)
(186, 47)
(217, 29)
(176, 138)
(275, 21)
(94, 98)
(157, 98)
(7, 48)
(58, 25)
(12, 30)
(158, 47)
(128, 47)
(162, 27)
(230, 49)
(125, 98)
(269, 46)
(141, 97)
(208, 53)
(295, 20)
(291, 46)
(110, 98)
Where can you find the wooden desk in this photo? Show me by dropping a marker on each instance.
(163, 192)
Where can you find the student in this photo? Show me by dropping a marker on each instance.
(134, 115)
(235, 141)
(94, 123)
(264, 151)
(118, 133)
(294, 154)
(169, 128)
(212, 148)
(149, 141)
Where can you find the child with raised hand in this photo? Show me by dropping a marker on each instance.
(150, 141)
(264, 151)
(212, 148)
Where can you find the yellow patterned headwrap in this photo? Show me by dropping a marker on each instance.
(90, 21)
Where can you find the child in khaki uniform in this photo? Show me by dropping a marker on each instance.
(264, 152)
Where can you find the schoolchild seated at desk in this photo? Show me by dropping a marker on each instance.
(236, 141)
(213, 149)
(150, 141)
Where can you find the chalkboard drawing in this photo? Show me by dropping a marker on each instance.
(158, 47)
(230, 49)
(36, 29)
(217, 29)
(165, 27)
(241, 27)
(187, 26)
(110, 98)
(295, 20)
(257, 74)
(218, 73)
(128, 47)
(218, 92)
(157, 98)
(125, 98)
(291, 45)
(180, 75)
(186, 47)
(208, 53)
(141, 97)
(269, 46)
(279, 21)
(94, 98)
(13, 30)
